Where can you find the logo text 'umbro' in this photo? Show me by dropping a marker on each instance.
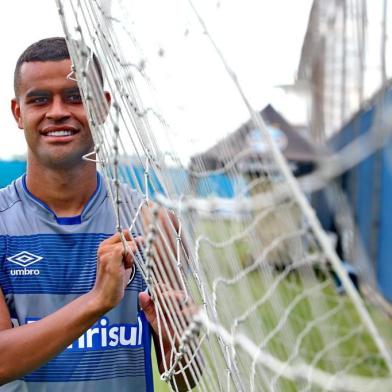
(24, 272)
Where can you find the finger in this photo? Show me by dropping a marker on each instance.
(117, 237)
(173, 300)
(161, 288)
(175, 295)
(127, 259)
(134, 244)
(165, 288)
(114, 239)
(140, 242)
(110, 250)
(127, 235)
(190, 310)
(148, 307)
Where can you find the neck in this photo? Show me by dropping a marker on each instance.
(65, 192)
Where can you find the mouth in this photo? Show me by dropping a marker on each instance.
(59, 133)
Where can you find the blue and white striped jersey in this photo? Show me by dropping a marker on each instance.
(46, 262)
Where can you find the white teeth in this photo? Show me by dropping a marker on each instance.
(60, 133)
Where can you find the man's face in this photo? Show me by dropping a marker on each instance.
(50, 110)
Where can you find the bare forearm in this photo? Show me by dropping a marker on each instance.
(25, 348)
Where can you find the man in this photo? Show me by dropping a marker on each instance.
(81, 314)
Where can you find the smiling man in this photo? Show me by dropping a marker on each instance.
(48, 106)
(70, 298)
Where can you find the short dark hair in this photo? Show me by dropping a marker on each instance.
(47, 49)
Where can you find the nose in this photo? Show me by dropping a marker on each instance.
(58, 110)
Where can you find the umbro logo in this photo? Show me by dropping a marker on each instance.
(24, 259)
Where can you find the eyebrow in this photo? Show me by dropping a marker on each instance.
(45, 93)
(72, 90)
(38, 93)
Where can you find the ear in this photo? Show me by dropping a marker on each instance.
(15, 107)
(108, 97)
(103, 107)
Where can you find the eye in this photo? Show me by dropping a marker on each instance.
(39, 100)
(74, 98)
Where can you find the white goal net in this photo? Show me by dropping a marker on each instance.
(225, 221)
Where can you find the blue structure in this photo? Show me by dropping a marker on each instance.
(9, 170)
(369, 189)
(135, 176)
(214, 185)
(218, 185)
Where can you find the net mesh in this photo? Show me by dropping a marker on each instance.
(228, 228)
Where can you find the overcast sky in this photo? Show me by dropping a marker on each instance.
(277, 28)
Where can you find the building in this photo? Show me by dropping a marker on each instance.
(367, 188)
(244, 152)
(343, 61)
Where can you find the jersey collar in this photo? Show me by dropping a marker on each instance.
(95, 200)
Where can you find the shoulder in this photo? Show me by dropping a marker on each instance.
(9, 197)
(133, 196)
(10, 203)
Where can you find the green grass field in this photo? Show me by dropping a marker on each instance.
(321, 327)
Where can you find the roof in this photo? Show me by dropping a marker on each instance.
(248, 140)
